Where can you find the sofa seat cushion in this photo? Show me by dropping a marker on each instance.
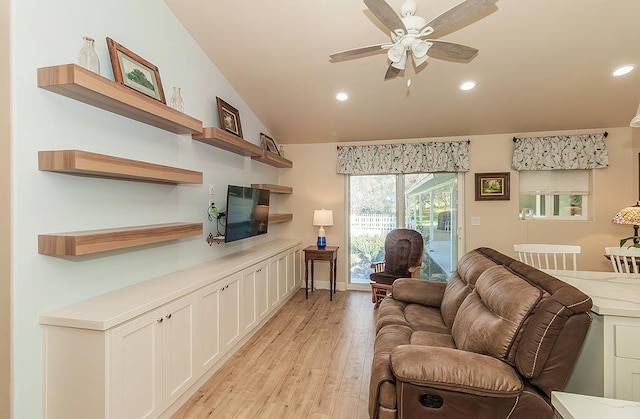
(491, 317)
(415, 316)
(382, 390)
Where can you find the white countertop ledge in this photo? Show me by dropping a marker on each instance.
(113, 308)
(578, 406)
(613, 294)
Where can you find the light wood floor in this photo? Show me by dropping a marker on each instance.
(311, 360)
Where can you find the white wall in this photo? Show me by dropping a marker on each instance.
(49, 33)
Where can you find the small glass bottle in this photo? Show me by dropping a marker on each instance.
(87, 57)
(176, 101)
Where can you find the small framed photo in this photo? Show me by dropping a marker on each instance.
(133, 71)
(492, 186)
(269, 144)
(229, 118)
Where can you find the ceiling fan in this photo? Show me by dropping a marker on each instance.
(411, 33)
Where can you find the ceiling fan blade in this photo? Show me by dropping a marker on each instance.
(357, 51)
(458, 13)
(385, 14)
(449, 51)
(391, 73)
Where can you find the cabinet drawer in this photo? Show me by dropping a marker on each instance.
(627, 341)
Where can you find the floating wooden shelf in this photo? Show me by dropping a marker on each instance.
(83, 85)
(84, 163)
(87, 242)
(273, 188)
(273, 159)
(279, 218)
(225, 140)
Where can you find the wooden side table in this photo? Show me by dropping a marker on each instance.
(328, 254)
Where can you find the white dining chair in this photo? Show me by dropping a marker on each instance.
(548, 256)
(624, 259)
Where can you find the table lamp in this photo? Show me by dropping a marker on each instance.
(322, 218)
(629, 216)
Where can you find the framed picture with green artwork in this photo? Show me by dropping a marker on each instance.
(492, 186)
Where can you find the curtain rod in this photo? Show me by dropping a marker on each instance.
(468, 142)
(606, 134)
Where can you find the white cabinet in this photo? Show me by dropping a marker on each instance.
(138, 352)
(152, 360)
(254, 295)
(622, 358)
(230, 331)
(218, 320)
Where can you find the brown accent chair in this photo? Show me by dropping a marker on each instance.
(403, 250)
(493, 342)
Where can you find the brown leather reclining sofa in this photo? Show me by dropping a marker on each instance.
(493, 342)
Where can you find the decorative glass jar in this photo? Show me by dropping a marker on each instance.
(87, 57)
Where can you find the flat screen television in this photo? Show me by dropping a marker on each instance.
(247, 212)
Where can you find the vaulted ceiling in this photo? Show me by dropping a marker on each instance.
(543, 65)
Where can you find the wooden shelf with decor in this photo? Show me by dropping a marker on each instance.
(94, 241)
(273, 159)
(279, 218)
(220, 138)
(78, 83)
(273, 188)
(84, 163)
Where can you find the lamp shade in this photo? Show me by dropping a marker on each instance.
(628, 215)
(323, 218)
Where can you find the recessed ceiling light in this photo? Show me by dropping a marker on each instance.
(468, 85)
(342, 96)
(621, 71)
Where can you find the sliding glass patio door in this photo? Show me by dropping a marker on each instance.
(425, 202)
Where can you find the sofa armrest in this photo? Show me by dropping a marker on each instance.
(455, 370)
(418, 291)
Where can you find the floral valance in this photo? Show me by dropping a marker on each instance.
(452, 156)
(567, 152)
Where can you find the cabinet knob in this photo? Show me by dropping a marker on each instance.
(160, 320)
(168, 316)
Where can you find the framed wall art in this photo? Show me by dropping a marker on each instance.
(229, 118)
(492, 186)
(269, 143)
(133, 71)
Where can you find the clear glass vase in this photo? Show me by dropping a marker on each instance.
(87, 57)
(176, 101)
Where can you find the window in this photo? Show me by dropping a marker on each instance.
(555, 194)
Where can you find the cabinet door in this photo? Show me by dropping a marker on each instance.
(297, 267)
(136, 367)
(291, 279)
(627, 379)
(282, 275)
(209, 326)
(230, 311)
(262, 291)
(178, 348)
(249, 313)
(274, 296)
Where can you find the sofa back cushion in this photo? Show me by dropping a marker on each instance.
(491, 317)
(554, 334)
(462, 281)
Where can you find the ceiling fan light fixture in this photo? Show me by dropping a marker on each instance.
(401, 64)
(397, 53)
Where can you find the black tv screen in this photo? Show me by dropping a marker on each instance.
(247, 212)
